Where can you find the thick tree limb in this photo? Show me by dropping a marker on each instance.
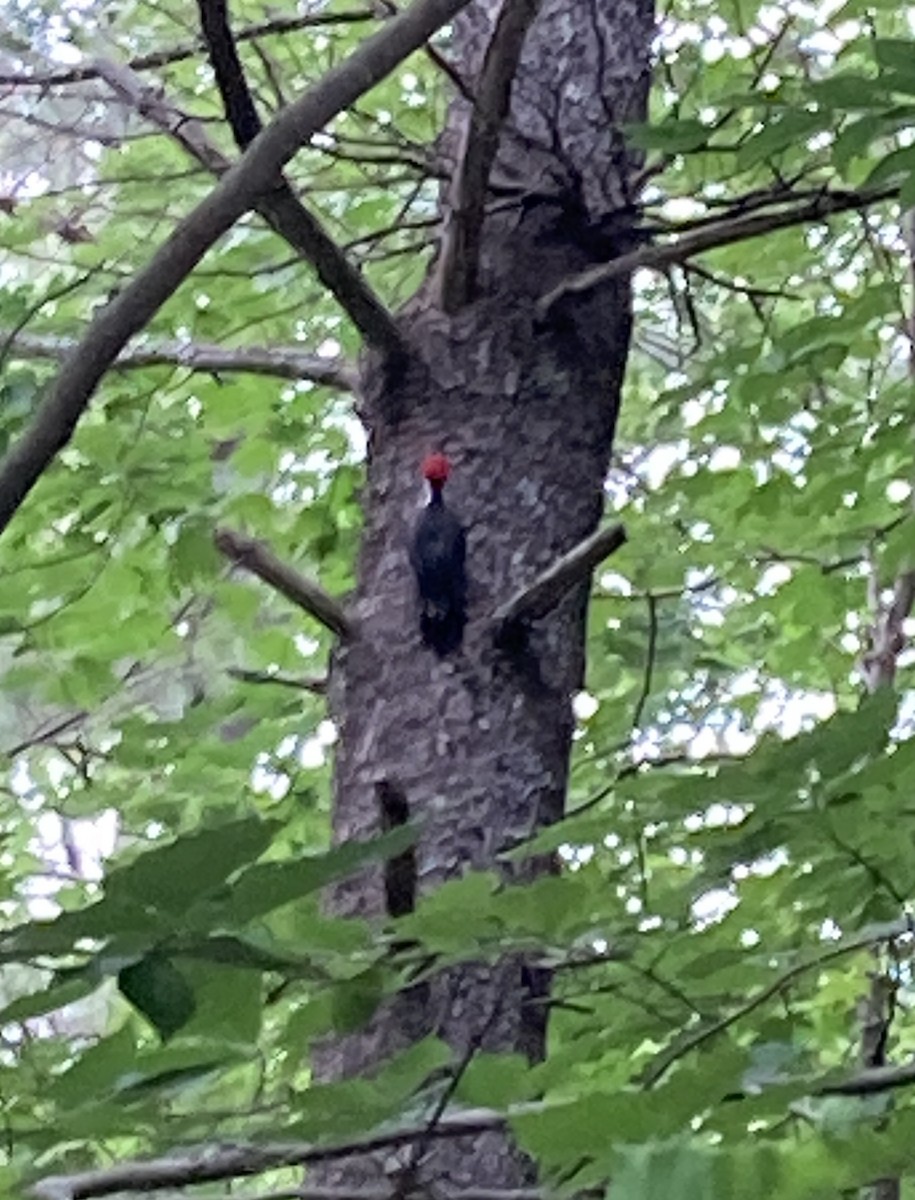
(711, 237)
(279, 362)
(234, 195)
(279, 207)
(542, 596)
(259, 559)
(461, 245)
(162, 58)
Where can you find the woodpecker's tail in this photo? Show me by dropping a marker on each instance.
(442, 628)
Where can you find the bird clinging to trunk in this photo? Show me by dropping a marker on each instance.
(438, 555)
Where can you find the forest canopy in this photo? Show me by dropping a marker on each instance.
(726, 918)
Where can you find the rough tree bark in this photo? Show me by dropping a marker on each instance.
(475, 747)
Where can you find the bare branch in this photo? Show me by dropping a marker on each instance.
(461, 245)
(148, 101)
(210, 1164)
(280, 362)
(162, 58)
(231, 1162)
(279, 207)
(711, 237)
(317, 684)
(259, 559)
(868, 1082)
(542, 596)
(237, 192)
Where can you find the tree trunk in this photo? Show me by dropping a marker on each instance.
(475, 747)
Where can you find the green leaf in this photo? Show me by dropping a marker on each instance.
(672, 137)
(62, 991)
(169, 878)
(894, 54)
(676, 1170)
(495, 1081)
(156, 987)
(266, 886)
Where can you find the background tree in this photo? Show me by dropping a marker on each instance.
(734, 855)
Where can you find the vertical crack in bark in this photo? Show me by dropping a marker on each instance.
(400, 869)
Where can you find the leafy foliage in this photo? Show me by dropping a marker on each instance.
(738, 847)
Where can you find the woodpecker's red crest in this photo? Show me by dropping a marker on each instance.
(436, 469)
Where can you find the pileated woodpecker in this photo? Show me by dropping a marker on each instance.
(437, 554)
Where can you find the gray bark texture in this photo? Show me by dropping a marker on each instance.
(475, 747)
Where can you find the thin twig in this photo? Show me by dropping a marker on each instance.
(721, 233)
(871, 936)
(9, 337)
(749, 290)
(437, 59)
(317, 684)
(259, 559)
(163, 58)
(650, 656)
(459, 1070)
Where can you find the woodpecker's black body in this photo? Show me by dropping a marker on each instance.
(438, 555)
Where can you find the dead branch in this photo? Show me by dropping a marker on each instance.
(162, 58)
(712, 237)
(542, 596)
(259, 559)
(461, 244)
(280, 362)
(285, 214)
(237, 192)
